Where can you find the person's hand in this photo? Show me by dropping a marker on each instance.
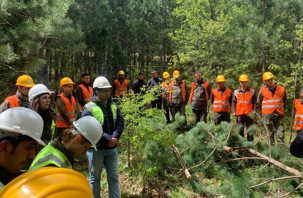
(112, 142)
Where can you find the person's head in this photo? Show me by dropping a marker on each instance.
(221, 81)
(154, 74)
(39, 97)
(166, 75)
(176, 75)
(24, 83)
(20, 132)
(102, 88)
(198, 76)
(85, 132)
(268, 79)
(243, 80)
(85, 78)
(67, 85)
(140, 76)
(301, 93)
(121, 74)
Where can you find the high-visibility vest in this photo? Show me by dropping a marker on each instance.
(1, 186)
(221, 103)
(271, 103)
(97, 112)
(298, 119)
(50, 155)
(193, 85)
(87, 94)
(13, 101)
(183, 90)
(244, 101)
(165, 88)
(121, 89)
(70, 108)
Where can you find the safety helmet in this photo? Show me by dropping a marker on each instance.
(90, 128)
(268, 75)
(166, 75)
(243, 78)
(66, 81)
(220, 78)
(50, 182)
(176, 74)
(20, 120)
(37, 90)
(25, 81)
(121, 72)
(101, 82)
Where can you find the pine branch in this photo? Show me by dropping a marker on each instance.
(276, 179)
(244, 158)
(285, 195)
(187, 173)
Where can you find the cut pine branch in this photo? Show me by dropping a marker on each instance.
(185, 169)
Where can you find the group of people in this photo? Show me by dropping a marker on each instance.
(27, 119)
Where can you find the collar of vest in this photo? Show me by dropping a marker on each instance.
(56, 143)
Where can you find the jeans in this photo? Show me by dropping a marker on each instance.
(96, 160)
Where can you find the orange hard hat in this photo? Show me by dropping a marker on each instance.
(66, 81)
(268, 75)
(220, 78)
(50, 182)
(25, 81)
(243, 78)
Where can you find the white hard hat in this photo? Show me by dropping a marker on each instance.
(90, 128)
(37, 90)
(20, 120)
(101, 82)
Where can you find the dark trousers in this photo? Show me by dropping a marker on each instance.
(166, 109)
(157, 103)
(245, 121)
(200, 114)
(220, 117)
(178, 109)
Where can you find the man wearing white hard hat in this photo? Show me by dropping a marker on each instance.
(108, 114)
(20, 132)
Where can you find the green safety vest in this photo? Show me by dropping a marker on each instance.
(50, 155)
(97, 112)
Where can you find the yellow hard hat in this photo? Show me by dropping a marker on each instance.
(243, 78)
(166, 75)
(268, 75)
(66, 81)
(25, 81)
(220, 78)
(50, 182)
(121, 72)
(176, 74)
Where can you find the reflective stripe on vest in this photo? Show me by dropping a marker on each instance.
(70, 109)
(271, 103)
(192, 91)
(87, 94)
(50, 155)
(97, 112)
(121, 89)
(13, 101)
(221, 103)
(183, 90)
(244, 101)
(298, 119)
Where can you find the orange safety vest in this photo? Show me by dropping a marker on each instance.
(183, 90)
(70, 108)
(87, 94)
(244, 101)
(121, 89)
(271, 103)
(298, 119)
(193, 85)
(221, 103)
(13, 101)
(164, 88)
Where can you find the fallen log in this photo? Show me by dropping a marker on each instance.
(273, 161)
(186, 171)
